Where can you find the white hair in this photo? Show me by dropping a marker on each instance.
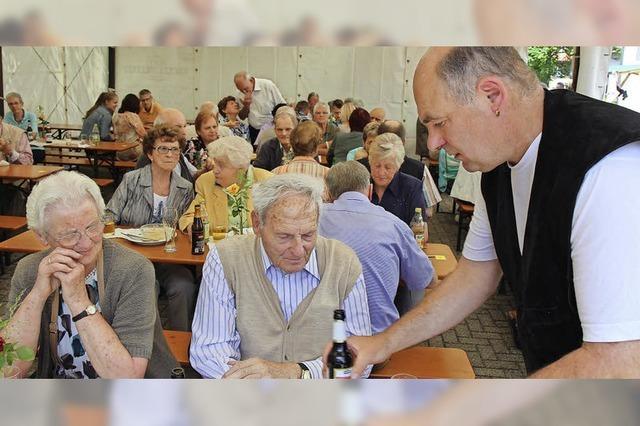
(387, 145)
(163, 116)
(319, 105)
(286, 111)
(280, 187)
(63, 189)
(237, 150)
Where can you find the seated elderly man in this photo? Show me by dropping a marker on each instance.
(384, 244)
(266, 301)
(18, 116)
(87, 305)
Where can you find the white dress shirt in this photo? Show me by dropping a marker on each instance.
(264, 98)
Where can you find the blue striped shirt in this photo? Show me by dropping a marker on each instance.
(386, 248)
(215, 339)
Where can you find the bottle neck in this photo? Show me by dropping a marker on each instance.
(339, 331)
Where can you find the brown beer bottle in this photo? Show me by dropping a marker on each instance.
(197, 233)
(339, 360)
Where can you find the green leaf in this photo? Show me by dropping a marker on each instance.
(11, 356)
(2, 360)
(25, 353)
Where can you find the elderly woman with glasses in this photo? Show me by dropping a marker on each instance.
(145, 196)
(232, 165)
(87, 304)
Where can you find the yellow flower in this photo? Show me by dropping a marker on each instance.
(233, 189)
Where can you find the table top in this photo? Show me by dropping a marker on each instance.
(28, 242)
(427, 363)
(107, 146)
(31, 172)
(442, 258)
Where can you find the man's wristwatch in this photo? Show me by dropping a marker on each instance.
(91, 310)
(306, 374)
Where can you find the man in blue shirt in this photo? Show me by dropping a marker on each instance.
(17, 116)
(384, 244)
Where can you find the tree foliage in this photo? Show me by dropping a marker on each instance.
(551, 61)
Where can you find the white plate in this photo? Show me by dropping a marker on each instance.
(134, 235)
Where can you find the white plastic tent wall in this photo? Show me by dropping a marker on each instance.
(65, 81)
(183, 78)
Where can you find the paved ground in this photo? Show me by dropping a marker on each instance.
(485, 335)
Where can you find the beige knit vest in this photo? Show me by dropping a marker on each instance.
(264, 333)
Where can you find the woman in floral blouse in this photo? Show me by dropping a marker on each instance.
(229, 109)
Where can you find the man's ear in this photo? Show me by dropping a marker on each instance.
(494, 90)
(255, 222)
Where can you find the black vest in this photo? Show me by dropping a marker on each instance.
(577, 132)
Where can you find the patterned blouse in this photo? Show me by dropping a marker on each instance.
(196, 152)
(75, 362)
(242, 129)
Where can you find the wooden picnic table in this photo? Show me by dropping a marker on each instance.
(26, 172)
(442, 258)
(419, 361)
(28, 242)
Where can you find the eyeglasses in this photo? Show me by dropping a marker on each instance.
(93, 232)
(166, 150)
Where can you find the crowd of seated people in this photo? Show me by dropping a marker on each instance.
(250, 285)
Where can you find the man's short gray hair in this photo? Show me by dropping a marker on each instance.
(370, 130)
(387, 145)
(347, 176)
(14, 95)
(319, 105)
(236, 149)
(462, 67)
(266, 194)
(63, 189)
(286, 111)
(163, 116)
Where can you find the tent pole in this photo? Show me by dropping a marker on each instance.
(111, 76)
(1, 85)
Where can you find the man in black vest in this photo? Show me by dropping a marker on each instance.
(556, 219)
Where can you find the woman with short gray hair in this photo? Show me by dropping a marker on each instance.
(87, 304)
(232, 169)
(396, 192)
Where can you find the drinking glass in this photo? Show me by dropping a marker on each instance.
(170, 221)
(83, 139)
(109, 224)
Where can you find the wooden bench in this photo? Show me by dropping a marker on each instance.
(9, 224)
(179, 342)
(12, 223)
(427, 363)
(67, 160)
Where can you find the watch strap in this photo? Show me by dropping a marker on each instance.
(84, 313)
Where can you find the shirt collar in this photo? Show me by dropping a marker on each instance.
(353, 196)
(256, 85)
(311, 267)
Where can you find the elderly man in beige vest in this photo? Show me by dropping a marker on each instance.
(266, 301)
